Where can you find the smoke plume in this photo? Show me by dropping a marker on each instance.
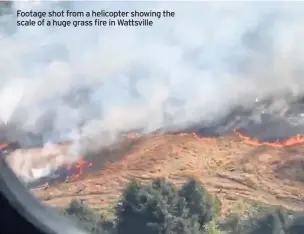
(90, 84)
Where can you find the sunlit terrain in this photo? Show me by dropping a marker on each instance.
(237, 168)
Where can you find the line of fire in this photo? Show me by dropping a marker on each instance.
(76, 170)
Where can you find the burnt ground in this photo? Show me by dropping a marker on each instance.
(238, 173)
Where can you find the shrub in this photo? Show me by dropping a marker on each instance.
(273, 221)
(213, 228)
(88, 219)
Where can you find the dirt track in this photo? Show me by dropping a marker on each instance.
(236, 172)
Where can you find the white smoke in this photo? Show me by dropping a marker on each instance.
(34, 163)
(10, 96)
(194, 67)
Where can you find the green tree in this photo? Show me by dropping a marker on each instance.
(158, 208)
(199, 202)
(144, 208)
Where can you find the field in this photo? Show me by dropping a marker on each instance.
(239, 173)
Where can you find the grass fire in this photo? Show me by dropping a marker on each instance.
(49, 164)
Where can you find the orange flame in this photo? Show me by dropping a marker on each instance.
(79, 166)
(294, 140)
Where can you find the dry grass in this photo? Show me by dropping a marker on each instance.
(237, 173)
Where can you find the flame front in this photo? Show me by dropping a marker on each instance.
(294, 140)
(79, 167)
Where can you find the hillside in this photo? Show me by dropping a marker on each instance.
(237, 170)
